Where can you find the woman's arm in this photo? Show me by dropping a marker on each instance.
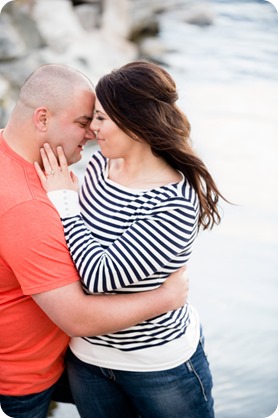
(142, 250)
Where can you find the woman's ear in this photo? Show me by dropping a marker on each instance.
(40, 118)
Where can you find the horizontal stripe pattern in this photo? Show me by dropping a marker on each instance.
(130, 241)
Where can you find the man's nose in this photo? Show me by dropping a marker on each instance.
(90, 134)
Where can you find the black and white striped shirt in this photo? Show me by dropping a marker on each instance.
(128, 240)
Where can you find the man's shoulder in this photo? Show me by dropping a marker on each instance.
(16, 203)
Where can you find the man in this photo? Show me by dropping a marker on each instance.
(41, 300)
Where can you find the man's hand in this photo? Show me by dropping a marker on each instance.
(177, 285)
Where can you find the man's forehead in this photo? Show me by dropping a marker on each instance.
(85, 94)
(85, 104)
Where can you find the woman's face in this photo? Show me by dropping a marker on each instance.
(113, 142)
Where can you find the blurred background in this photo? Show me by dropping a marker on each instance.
(224, 58)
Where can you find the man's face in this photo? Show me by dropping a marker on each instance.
(71, 127)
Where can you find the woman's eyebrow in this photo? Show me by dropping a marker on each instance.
(98, 111)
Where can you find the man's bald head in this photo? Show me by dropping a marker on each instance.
(52, 86)
(55, 105)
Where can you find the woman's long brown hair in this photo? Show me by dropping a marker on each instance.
(140, 98)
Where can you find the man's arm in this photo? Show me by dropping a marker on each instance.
(38, 256)
(81, 315)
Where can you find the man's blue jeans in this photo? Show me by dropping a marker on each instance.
(181, 392)
(28, 406)
(36, 405)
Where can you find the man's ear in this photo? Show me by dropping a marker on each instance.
(41, 118)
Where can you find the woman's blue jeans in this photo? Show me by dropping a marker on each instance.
(28, 406)
(181, 392)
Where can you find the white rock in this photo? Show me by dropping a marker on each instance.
(152, 47)
(57, 23)
(89, 16)
(115, 18)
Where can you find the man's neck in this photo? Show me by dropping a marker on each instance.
(17, 143)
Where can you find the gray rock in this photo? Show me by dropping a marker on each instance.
(200, 14)
(89, 15)
(25, 24)
(11, 44)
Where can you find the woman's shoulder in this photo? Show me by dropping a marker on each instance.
(179, 196)
(97, 160)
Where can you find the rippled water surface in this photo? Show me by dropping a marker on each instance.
(240, 45)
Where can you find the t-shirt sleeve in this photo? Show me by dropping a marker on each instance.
(35, 248)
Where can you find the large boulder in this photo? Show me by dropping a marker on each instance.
(11, 44)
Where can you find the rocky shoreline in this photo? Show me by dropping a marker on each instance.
(93, 36)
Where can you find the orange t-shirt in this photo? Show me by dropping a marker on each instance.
(33, 258)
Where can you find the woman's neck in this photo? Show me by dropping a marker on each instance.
(142, 173)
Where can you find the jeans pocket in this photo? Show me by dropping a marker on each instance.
(191, 369)
(198, 365)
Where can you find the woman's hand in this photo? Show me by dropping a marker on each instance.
(56, 174)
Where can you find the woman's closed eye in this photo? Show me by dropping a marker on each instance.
(98, 115)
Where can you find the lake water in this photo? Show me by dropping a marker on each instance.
(227, 76)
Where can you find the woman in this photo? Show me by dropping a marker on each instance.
(144, 198)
